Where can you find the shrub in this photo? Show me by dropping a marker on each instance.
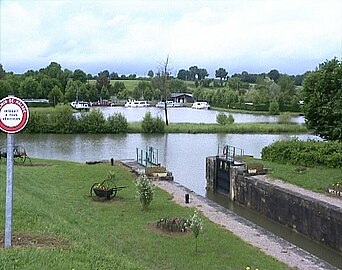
(152, 125)
(38, 123)
(63, 120)
(145, 191)
(310, 153)
(273, 108)
(224, 119)
(92, 122)
(117, 123)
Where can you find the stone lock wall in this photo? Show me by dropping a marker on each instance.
(309, 216)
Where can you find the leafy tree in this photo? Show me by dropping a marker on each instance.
(48, 84)
(55, 96)
(274, 75)
(124, 94)
(2, 72)
(150, 73)
(184, 75)
(177, 86)
(92, 92)
(118, 87)
(65, 76)
(4, 89)
(323, 100)
(104, 93)
(53, 70)
(79, 75)
(30, 88)
(193, 73)
(222, 74)
(103, 80)
(202, 73)
(137, 93)
(114, 76)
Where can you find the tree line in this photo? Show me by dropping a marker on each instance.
(60, 86)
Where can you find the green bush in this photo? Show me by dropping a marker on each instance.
(145, 191)
(117, 123)
(39, 122)
(310, 153)
(273, 108)
(92, 122)
(224, 119)
(152, 125)
(63, 120)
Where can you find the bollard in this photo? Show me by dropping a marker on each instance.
(112, 161)
(187, 197)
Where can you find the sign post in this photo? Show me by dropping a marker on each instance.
(14, 116)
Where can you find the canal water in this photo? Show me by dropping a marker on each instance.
(188, 115)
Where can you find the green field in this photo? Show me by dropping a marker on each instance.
(62, 227)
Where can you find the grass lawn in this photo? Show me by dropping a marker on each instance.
(53, 207)
(312, 178)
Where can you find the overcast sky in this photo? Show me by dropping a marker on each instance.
(136, 36)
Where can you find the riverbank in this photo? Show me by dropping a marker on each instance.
(192, 128)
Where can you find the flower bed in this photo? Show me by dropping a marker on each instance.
(173, 224)
(335, 189)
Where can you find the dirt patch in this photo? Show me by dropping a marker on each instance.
(23, 240)
(152, 227)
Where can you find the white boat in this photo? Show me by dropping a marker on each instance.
(201, 105)
(80, 105)
(137, 104)
(169, 104)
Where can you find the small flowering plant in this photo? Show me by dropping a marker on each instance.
(196, 225)
(145, 191)
(335, 189)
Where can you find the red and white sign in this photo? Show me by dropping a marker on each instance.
(14, 114)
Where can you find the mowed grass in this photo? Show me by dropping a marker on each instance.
(316, 179)
(52, 198)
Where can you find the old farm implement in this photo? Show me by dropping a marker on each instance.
(19, 154)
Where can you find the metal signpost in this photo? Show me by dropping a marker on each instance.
(14, 116)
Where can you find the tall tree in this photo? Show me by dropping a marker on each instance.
(323, 100)
(55, 96)
(150, 73)
(79, 75)
(274, 75)
(222, 74)
(2, 72)
(184, 75)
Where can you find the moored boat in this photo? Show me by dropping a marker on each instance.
(137, 104)
(169, 104)
(201, 105)
(80, 105)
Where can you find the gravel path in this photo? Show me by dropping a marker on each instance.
(283, 251)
